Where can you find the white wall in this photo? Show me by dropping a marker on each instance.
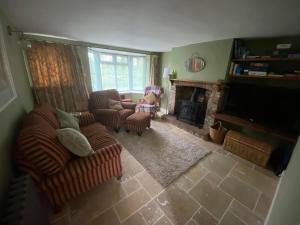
(286, 205)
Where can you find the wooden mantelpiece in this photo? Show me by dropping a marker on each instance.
(197, 83)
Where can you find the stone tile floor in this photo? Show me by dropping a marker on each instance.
(221, 189)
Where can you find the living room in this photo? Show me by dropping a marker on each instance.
(148, 112)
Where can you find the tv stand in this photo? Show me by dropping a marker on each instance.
(254, 126)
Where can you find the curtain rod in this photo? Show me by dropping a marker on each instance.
(31, 37)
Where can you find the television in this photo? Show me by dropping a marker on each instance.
(275, 107)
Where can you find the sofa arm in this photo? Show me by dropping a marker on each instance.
(128, 105)
(86, 118)
(99, 157)
(108, 117)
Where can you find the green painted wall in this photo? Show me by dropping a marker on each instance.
(286, 205)
(10, 117)
(215, 53)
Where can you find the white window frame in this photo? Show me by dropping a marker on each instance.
(97, 57)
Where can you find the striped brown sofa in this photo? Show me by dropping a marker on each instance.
(58, 173)
(112, 118)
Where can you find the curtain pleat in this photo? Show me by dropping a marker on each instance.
(58, 76)
(153, 74)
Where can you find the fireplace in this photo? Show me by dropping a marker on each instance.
(191, 110)
(195, 102)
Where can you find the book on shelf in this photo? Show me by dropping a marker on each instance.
(257, 73)
(235, 69)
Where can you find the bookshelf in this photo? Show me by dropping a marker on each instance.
(267, 59)
(264, 62)
(268, 76)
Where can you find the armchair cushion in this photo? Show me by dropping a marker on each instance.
(113, 104)
(128, 105)
(74, 141)
(150, 98)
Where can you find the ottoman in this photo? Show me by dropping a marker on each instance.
(138, 122)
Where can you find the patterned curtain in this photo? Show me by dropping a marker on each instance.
(154, 75)
(57, 76)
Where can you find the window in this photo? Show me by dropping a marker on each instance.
(118, 71)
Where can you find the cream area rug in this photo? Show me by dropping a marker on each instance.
(164, 150)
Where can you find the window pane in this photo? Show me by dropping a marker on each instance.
(122, 77)
(138, 75)
(108, 76)
(121, 59)
(94, 71)
(106, 58)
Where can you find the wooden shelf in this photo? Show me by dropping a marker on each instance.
(271, 77)
(267, 59)
(255, 126)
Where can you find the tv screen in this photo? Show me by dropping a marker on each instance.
(275, 107)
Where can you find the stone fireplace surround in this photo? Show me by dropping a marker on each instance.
(214, 95)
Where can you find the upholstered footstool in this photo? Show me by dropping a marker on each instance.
(138, 122)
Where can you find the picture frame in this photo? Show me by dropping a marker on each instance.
(7, 88)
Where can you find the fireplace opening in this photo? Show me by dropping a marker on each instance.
(191, 105)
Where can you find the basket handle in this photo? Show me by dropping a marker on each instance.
(220, 124)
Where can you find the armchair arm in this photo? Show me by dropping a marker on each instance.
(86, 118)
(108, 117)
(128, 105)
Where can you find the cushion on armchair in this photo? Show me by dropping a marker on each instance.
(150, 98)
(113, 104)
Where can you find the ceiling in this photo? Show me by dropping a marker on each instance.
(154, 25)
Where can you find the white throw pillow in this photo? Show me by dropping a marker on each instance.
(74, 141)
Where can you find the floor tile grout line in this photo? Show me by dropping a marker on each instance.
(158, 218)
(244, 182)
(255, 206)
(196, 211)
(118, 217)
(201, 206)
(226, 210)
(142, 188)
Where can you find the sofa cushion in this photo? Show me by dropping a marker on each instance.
(101, 141)
(74, 141)
(66, 120)
(93, 129)
(39, 145)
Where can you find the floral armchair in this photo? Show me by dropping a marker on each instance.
(149, 107)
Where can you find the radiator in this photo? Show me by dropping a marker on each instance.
(23, 206)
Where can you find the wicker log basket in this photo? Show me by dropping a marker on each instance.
(217, 132)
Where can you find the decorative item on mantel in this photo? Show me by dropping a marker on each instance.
(195, 63)
(173, 75)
